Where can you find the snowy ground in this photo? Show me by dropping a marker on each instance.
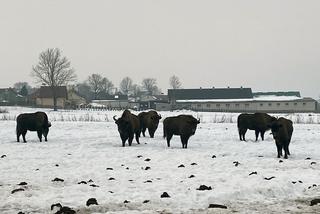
(83, 150)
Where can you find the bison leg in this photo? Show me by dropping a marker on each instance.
(24, 132)
(257, 134)
(262, 135)
(137, 137)
(130, 139)
(242, 133)
(184, 141)
(279, 149)
(123, 139)
(18, 136)
(39, 135)
(144, 131)
(169, 136)
(151, 132)
(286, 150)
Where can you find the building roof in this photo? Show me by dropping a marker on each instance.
(113, 97)
(46, 92)
(278, 93)
(210, 93)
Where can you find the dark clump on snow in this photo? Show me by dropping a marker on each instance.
(313, 163)
(272, 177)
(57, 165)
(127, 168)
(314, 185)
(308, 158)
(126, 202)
(213, 156)
(90, 181)
(280, 161)
(204, 187)
(93, 185)
(139, 156)
(147, 168)
(91, 201)
(181, 166)
(17, 190)
(146, 201)
(111, 179)
(165, 195)
(217, 206)
(147, 181)
(56, 205)
(23, 183)
(315, 202)
(82, 182)
(3, 156)
(253, 173)
(147, 159)
(109, 168)
(65, 210)
(191, 176)
(193, 164)
(57, 180)
(20, 212)
(236, 163)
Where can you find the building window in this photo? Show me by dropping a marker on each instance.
(295, 104)
(237, 105)
(218, 105)
(287, 104)
(246, 105)
(228, 105)
(304, 104)
(269, 104)
(198, 105)
(208, 105)
(278, 104)
(261, 104)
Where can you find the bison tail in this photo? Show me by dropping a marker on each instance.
(164, 132)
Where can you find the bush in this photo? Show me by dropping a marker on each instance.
(3, 110)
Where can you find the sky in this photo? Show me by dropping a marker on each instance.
(268, 45)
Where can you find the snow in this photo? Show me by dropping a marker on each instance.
(84, 149)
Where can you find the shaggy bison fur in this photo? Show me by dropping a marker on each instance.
(149, 120)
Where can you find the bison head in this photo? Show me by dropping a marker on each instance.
(275, 128)
(124, 126)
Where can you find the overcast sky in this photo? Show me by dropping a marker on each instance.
(268, 45)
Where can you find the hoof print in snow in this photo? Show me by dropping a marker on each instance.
(56, 205)
(111, 179)
(191, 176)
(147, 159)
(315, 202)
(253, 173)
(236, 163)
(82, 182)
(308, 158)
(126, 202)
(92, 201)
(217, 206)
(23, 183)
(57, 180)
(17, 190)
(66, 210)
(312, 163)
(280, 161)
(109, 169)
(148, 181)
(146, 201)
(272, 177)
(57, 165)
(193, 164)
(3, 156)
(165, 195)
(147, 168)
(93, 185)
(139, 156)
(213, 156)
(181, 166)
(204, 187)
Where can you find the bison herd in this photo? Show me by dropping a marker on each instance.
(131, 125)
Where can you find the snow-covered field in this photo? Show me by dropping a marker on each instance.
(85, 145)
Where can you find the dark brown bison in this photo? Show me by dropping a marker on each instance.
(128, 126)
(33, 122)
(258, 122)
(183, 125)
(149, 120)
(281, 130)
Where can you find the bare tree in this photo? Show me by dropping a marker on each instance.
(136, 90)
(107, 86)
(53, 70)
(150, 85)
(174, 82)
(95, 82)
(19, 85)
(126, 85)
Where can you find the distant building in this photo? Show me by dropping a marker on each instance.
(156, 102)
(44, 96)
(8, 96)
(113, 102)
(239, 100)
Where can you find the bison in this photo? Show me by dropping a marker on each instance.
(37, 121)
(183, 125)
(281, 130)
(149, 120)
(258, 122)
(128, 126)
